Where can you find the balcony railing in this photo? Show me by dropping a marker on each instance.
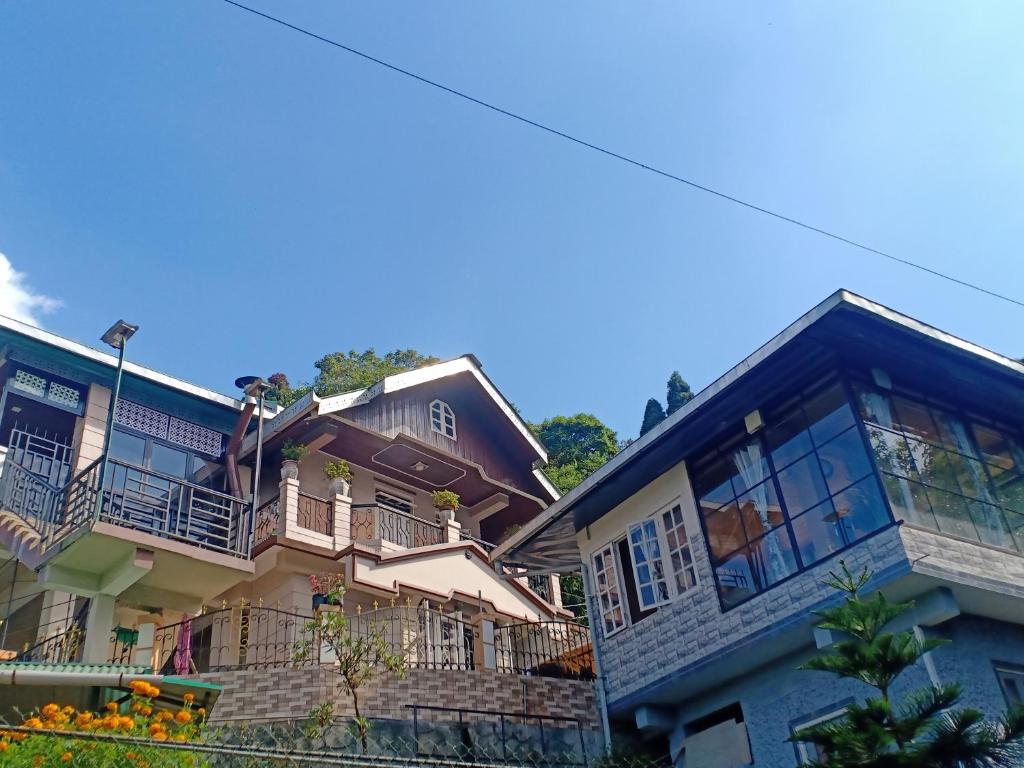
(132, 497)
(373, 521)
(546, 649)
(267, 521)
(315, 514)
(254, 637)
(174, 509)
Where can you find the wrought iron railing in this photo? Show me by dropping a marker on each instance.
(374, 521)
(541, 585)
(61, 648)
(487, 546)
(46, 457)
(315, 514)
(267, 521)
(425, 637)
(173, 508)
(546, 648)
(28, 496)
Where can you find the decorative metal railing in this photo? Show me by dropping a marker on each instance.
(28, 496)
(173, 508)
(541, 585)
(487, 546)
(46, 457)
(374, 521)
(253, 637)
(60, 648)
(315, 514)
(547, 649)
(267, 521)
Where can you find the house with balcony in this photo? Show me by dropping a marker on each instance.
(146, 526)
(857, 434)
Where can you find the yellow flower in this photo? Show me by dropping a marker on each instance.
(201, 711)
(112, 706)
(161, 736)
(33, 722)
(126, 723)
(83, 719)
(66, 757)
(153, 692)
(183, 717)
(189, 698)
(68, 710)
(156, 728)
(50, 711)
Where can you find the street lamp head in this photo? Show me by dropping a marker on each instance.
(253, 386)
(118, 334)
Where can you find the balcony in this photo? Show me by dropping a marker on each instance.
(132, 497)
(375, 522)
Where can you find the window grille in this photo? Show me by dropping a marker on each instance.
(29, 382)
(442, 419)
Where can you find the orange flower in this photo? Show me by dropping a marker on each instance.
(178, 737)
(201, 711)
(50, 710)
(3, 746)
(83, 719)
(153, 692)
(37, 760)
(33, 722)
(111, 706)
(66, 757)
(68, 710)
(126, 723)
(161, 736)
(146, 711)
(110, 722)
(189, 698)
(156, 728)
(129, 755)
(183, 717)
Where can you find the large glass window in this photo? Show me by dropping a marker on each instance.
(795, 493)
(945, 471)
(648, 568)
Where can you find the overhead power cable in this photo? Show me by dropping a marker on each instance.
(621, 157)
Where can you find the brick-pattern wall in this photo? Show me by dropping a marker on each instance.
(286, 693)
(694, 627)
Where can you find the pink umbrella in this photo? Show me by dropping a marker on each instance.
(183, 650)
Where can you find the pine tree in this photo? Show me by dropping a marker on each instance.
(679, 393)
(654, 414)
(923, 730)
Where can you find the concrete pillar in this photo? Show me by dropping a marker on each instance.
(91, 427)
(143, 651)
(96, 646)
(452, 530)
(56, 615)
(289, 511)
(484, 656)
(342, 521)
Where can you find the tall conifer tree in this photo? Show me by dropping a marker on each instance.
(654, 414)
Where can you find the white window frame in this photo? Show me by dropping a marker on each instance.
(440, 414)
(684, 542)
(609, 554)
(651, 536)
(801, 746)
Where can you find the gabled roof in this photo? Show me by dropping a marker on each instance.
(312, 405)
(548, 542)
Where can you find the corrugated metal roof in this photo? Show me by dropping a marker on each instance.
(79, 667)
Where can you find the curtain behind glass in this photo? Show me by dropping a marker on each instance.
(752, 468)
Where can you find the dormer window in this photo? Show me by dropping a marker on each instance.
(442, 418)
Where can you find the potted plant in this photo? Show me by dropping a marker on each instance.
(340, 475)
(292, 454)
(446, 502)
(327, 590)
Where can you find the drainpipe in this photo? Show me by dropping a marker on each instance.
(234, 479)
(602, 701)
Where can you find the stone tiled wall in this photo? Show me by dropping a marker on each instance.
(285, 693)
(966, 562)
(693, 627)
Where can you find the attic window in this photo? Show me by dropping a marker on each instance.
(442, 418)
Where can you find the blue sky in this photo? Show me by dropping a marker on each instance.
(254, 199)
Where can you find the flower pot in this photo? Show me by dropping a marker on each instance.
(319, 600)
(289, 469)
(339, 486)
(446, 514)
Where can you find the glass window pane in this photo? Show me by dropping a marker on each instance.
(788, 439)
(802, 485)
(773, 557)
(951, 514)
(909, 501)
(828, 414)
(725, 532)
(892, 454)
(915, 419)
(991, 525)
(994, 445)
(760, 510)
(860, 510)
(750, 465)
(167, 460)
(874, 406)
(712, 484)
(934, 465)
(816, 533)
(844, 460)
(1010, 490)
(1015, 522)
(970, 476)
(126, 447)
(736, 580)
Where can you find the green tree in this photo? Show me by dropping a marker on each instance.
(654, 414)
(577, 446)
(345, 371)
(679, 393)
(922, 731)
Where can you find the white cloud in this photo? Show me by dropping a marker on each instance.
(17, 300)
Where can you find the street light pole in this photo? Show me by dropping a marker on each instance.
(116, 336)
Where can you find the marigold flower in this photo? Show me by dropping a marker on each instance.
(127, 723)
(153, 692)
(3, 746)
(111, 706)
(37, 760)
(66, 757)
(201, 711)
(33, 722)
(83, 719)
(178, 737)
(110, 722)
(68, 710)
(129, 755)
(50, 710)
(189, 698)
(161, 736)
(183, 717)
(156, 728)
